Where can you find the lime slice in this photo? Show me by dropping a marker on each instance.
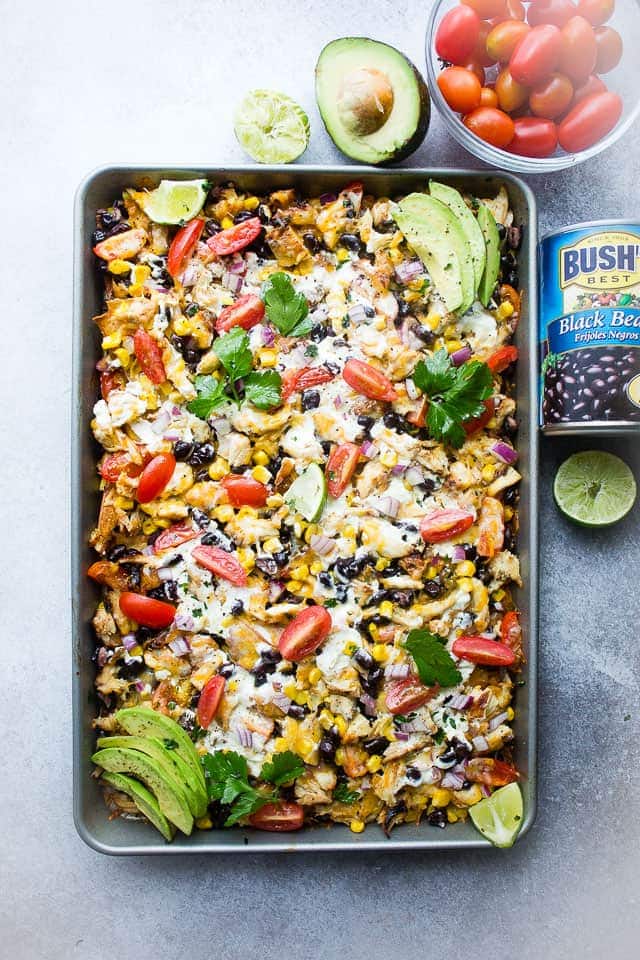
(271, 127)
(308, 494)
(499, 817)
(174, 201)
(594, 488)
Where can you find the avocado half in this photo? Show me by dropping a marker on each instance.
(373, 101)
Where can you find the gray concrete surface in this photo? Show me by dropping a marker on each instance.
(84, 84)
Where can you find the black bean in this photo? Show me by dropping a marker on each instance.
(203, 453)
(327, 750)
(395, 421)
(351, 242)
(244, 215)
(131, 669)
(120, 551)
(97, 237)
(268, 565)
(366, 423)
(376, 745)
(364, 659)
(412, 773)
(437, 818)
(200, 518)
(370, 682)
(310, 400)
(348, 569)
(211, 227)
(182, 450)
(319, 332)
(237, 608)
(311, 242)
(433, 588)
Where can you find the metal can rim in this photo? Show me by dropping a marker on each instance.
(587, 224)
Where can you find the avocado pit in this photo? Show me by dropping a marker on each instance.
(365, 101)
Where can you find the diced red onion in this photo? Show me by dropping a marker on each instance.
(398, 470)
(368, 449)
(232, 281)
(400, 735)
(412, 391)
(129, 641)
(389, 506)
(184, 621)
(171, 435)
(397, 671)
(276, 587)
(327, 198)
(414, 476)
(245, 736)
(357, 313)
(368, 704)
(268, 336)
(458, 357)
(484, 789)
(458, 553)
(281, 702)
(480, 743)
(496, 721)
(414, 726)
(176, 411)
(104, 656)
(453, 781)
(238, 266)
(338, 402)
(504, 452)
(408, 270)
(180, 647)
(321, 545)
(140, 686)
(460, 701)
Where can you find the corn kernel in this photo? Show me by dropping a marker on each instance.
(281, 744)
(389, 458)
(311, 531)
(453, 345)
(261, 474)
(123, 356)
(112, 341)
(204, 823)
(217, 470)
(510, 714)
(182, 326)
(433, 321)
(141, 272)
(272, 545)
(450, 332)
(149, 527)
(380, 324)
(488, 472)
(293, 585)
(250, 512)
(480, 596)
(394, 255)
(340, 756)
(226, 222)
(508, 513)
(386, 608)
(290, 690)
(260, 458)
(505, 310)
(316, 568)
(382, 563)
(119, 267)
(225, 513)
(268, 358)
(305, 746)
(499, 595)
(342, 255)
(465, 583)
(246, 558)
(315, 674)
(452, 815)
(356, 826)
(374, 763)
(431, 572)
(326, 718)
(380, 652)
(135, 290)
(251, 203)
(441, 797)
(373, 630)
(341, 725)
(299, 572)
(349, 531)
(465, 569)
(275, 500)
(124, 503)
(300, 697)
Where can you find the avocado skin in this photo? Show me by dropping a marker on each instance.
(143, 799)
(171, 800)
(145, 722)
(492, 241)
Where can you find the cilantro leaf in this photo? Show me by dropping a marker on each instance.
(250, 801)
(342, 794)
(455, 394)
(232, 349)
(264, 389)
(286, 309)
(227, 778)
(211, 393)
(283, 768)
(434, 663)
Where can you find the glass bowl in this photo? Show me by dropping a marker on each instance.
(622, 80)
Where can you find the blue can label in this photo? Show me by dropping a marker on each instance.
(590, 325)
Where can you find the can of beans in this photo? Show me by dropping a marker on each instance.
(590, 328)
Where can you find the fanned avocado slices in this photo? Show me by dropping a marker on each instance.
(470, 226)
(145, 722)
(143, 799)
(489, 227)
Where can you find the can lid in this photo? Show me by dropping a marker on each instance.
(588, 224)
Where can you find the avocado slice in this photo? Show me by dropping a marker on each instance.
(143, 799)
(489, 227)
(180, 771)
(471, 228)
(145, 722)
(171, 799)
(434, 232)
(372, 100)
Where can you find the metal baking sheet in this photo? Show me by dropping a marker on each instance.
(120, 836)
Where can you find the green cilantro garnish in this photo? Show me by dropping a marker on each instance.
(311, 350)
(262, 387)
(227, 778)
(455, 394)
(434, 663)
(234, 353)
(286, 309)
(342, 794)
(283, 768)
(211, 393)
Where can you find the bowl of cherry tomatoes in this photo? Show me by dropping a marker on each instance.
(538, 85)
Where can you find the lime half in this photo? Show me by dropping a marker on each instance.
(271, 127)
(594, 488)
(308, 494)
(174, 201)
(499, 817)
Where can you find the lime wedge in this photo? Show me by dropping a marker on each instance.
(499, 817)
(308, 494)
(174, 201)
(594, 488)
(271, 127)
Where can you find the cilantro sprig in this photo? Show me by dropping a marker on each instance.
(227, 778)
(433, 662)
(455, 394)
(342, 794)
(287, 310)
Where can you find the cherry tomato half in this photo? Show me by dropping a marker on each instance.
(491, 125)
(149, 356)
(111, 380)
(504, 38)
(122, 246)
(155, 477)
(536, 55)
(457, 34)
(474, 424)
(589, 121)
(579, 49)
(609, 43)
(491, 772)
(174, 536)
(481, 650)
(365, 379)
(210, 701)
(295, 381)
(511, 633)
(402, 696)
(488, 97)
(550, 11)
(280, 817)
(444, 524)
(552, 97)
(245, 491)
(305, 633)
(146, 611)
(113, 465)
(246, 312)
(341, 466)
(534, 137)
(511, 95)
(591, 85)
(487, 9)
(183, 245)
(221, 564)
(596, 12)
(418, 416)
(235, 238)
(460, 88)
(505, 356)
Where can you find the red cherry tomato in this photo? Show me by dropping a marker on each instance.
(210, 701)
(444, 524)
(111, 380)
(149, 356)
(457, 34)
(489, 653)
(278, 817)
(174, 536)
(305, 633)
(491, 772)
(113, 465)
(155, 477)
(589, 121)
(474, 424)
(536, 55)
(245, 491)
(476, 69)
(504, 357)
(504, 38)
(402, 696)
(480, 55)
(221, 564)
(486, 9)
(596, 12)
(460, 88)
(122, 246)
(609, 43)
(550, 11)
(552, 97)
(365, 379)
(235, 238)
(534, 137)
(493, 126)
(146, 611)
(183, 245)
(488, 97)
(511, 633)
(579, 49)
(511, 95)
(591, 85)
(341, 466)
(245, 312)
(295, 381)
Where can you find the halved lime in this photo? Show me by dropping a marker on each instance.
(174, 201)
(271, 127)
(308, 494)
(499, 817)
(594, 488)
